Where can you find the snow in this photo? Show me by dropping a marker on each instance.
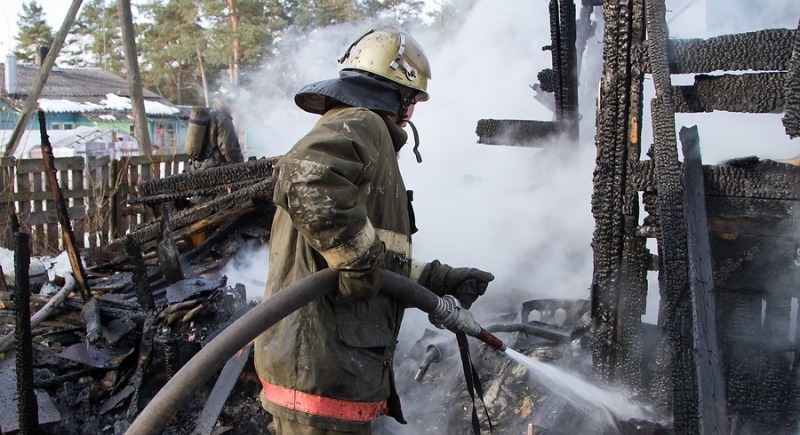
(58, 266)
(112, 102)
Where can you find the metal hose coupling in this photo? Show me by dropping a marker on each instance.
(450, 315)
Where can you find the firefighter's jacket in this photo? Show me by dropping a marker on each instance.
(223, 144)
(338, 180)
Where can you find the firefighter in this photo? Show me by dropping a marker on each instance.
(220, 143)
(342, 204)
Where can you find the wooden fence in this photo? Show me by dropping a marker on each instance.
(95, 190)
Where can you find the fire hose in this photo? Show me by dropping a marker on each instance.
(444, 312)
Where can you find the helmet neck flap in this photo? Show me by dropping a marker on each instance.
(352, 89)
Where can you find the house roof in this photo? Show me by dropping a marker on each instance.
(93, 92)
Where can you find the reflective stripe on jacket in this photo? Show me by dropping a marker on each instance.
(342, 176)
(358, 412)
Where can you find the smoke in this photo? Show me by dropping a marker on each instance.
(522, 213)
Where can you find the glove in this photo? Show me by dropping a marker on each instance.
(363, 277)
(465, 283)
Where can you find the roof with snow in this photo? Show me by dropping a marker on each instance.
(97, 94)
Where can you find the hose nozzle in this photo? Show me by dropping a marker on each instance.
(449, 314)
(432, 355)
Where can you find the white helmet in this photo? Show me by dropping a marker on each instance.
(393, 54)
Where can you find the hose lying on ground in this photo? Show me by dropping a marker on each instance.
(213, 356)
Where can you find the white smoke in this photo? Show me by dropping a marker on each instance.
(521, 213)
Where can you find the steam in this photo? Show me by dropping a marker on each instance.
(522, 213)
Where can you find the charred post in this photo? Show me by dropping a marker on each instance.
(27, 406)
(61, 210)
(565, 65)
(619, 281)
(673, 243)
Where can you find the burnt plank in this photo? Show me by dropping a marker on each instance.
(674, 273)
(745, 93)
(710, 381)
(762, 50)
(514, 132)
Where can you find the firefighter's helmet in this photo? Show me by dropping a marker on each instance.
(393, 54)
(229, 94)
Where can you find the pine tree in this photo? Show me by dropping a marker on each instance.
(173, 48)
(96, 38)
(34, 32)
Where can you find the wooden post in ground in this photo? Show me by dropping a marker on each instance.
(61, 211)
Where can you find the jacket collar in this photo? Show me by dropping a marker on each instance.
(398, 135)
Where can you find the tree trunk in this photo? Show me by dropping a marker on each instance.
(237, 49)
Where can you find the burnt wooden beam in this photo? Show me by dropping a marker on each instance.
(211, 178)
(673, 276)
(746, 93)
(561, 82)
(242, 198)
(619, 281)
(762, 50)
(565, 64)
(791, 90)
(710, 380)
(515, 132)
(743, 180)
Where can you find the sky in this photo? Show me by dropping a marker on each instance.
(54, 10)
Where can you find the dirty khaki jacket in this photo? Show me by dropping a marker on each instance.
(342, 175)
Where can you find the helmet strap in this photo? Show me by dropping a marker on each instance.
(416, 141)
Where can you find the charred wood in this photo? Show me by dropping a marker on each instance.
(27, 407)
(565, 64)
(168, 254)
(90, 314)
(747, 179)
(210, 179)
(141, 285)
(515, 132)
(763, 50)
(68, 236)
(747, 93)
(146, 234)
(676, 297)
(791, 89)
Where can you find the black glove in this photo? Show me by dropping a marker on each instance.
(362, 278)
(465, 283)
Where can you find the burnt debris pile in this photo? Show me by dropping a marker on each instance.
(97, 361)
